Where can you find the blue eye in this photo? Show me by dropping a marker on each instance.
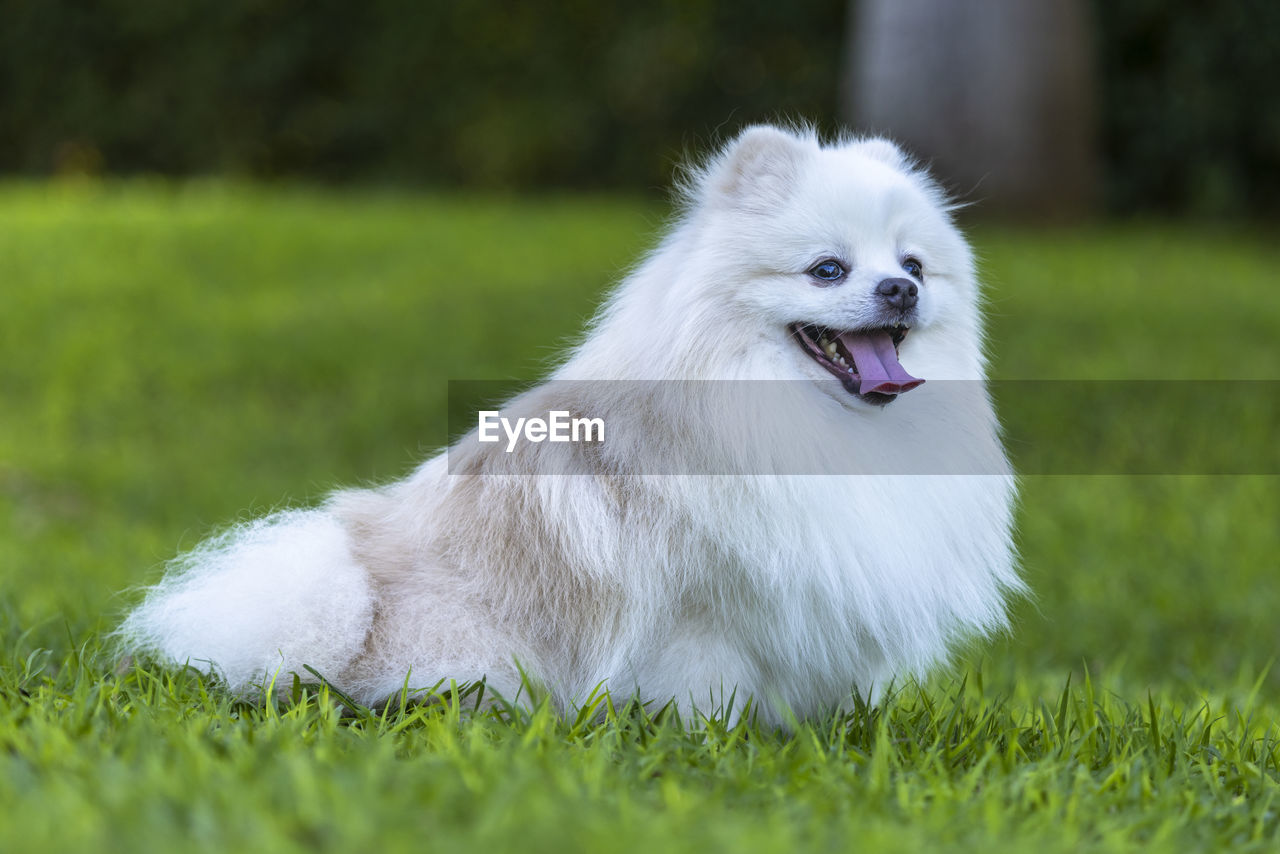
(828, 271)
(913, 267)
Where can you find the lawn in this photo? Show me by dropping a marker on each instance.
(176, 357)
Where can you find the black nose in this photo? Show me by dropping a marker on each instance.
(902, 294)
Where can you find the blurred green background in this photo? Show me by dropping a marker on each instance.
(1184, 112)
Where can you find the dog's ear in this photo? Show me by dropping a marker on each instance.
(759, 168)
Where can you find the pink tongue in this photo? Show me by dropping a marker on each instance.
(877, 363)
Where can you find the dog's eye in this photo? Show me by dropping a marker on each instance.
(913, 267)
(827, 271)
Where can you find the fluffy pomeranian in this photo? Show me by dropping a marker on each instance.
(780, 510)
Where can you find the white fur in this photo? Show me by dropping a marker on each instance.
(270, 596)
(792, 588)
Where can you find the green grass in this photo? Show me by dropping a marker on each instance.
(175, 357)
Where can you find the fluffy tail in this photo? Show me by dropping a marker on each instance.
(261, 599)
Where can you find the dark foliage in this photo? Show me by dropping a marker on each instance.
(474, 92)
(566, 93)
(1191, 105)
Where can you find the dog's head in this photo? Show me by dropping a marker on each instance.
(837, 260)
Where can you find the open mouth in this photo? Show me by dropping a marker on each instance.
(865, 360)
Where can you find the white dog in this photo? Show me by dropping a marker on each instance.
(790, 541)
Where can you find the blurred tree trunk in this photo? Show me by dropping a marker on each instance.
(996, 95)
